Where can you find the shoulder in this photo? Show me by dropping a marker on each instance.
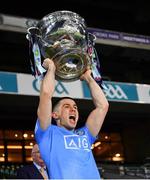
(38, 128)
(26, 167)
(84, 131)
(26, 172)
(40, 133)
(81, 131)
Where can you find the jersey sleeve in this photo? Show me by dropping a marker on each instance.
(43, 137)
(40, 134)
(92, 138)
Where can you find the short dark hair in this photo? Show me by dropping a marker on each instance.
(60, 99)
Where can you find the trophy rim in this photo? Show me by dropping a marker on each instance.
(49, 19)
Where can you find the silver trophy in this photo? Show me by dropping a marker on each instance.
(63, 37)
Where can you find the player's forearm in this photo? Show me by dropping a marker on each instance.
(46, 93)
(48, 84)
(97, 94)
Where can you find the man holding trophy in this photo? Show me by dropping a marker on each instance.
(62, 39)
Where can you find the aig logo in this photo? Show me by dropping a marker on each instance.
(76, 142)
(115, 91)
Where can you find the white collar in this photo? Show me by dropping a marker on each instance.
(38, 167)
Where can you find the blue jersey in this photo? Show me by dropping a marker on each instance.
(67, 154)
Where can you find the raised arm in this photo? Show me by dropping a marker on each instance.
(97, 116)
(46, 92)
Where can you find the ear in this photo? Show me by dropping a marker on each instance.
(55, 115)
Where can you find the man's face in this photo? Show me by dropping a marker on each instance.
(67, 114)
(37, 157)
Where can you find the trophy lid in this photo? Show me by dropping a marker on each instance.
(69, 20)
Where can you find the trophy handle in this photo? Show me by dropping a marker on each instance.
(95, 64)
(34, 35)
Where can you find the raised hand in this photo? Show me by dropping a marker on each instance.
(86, 75)
(49, 64)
